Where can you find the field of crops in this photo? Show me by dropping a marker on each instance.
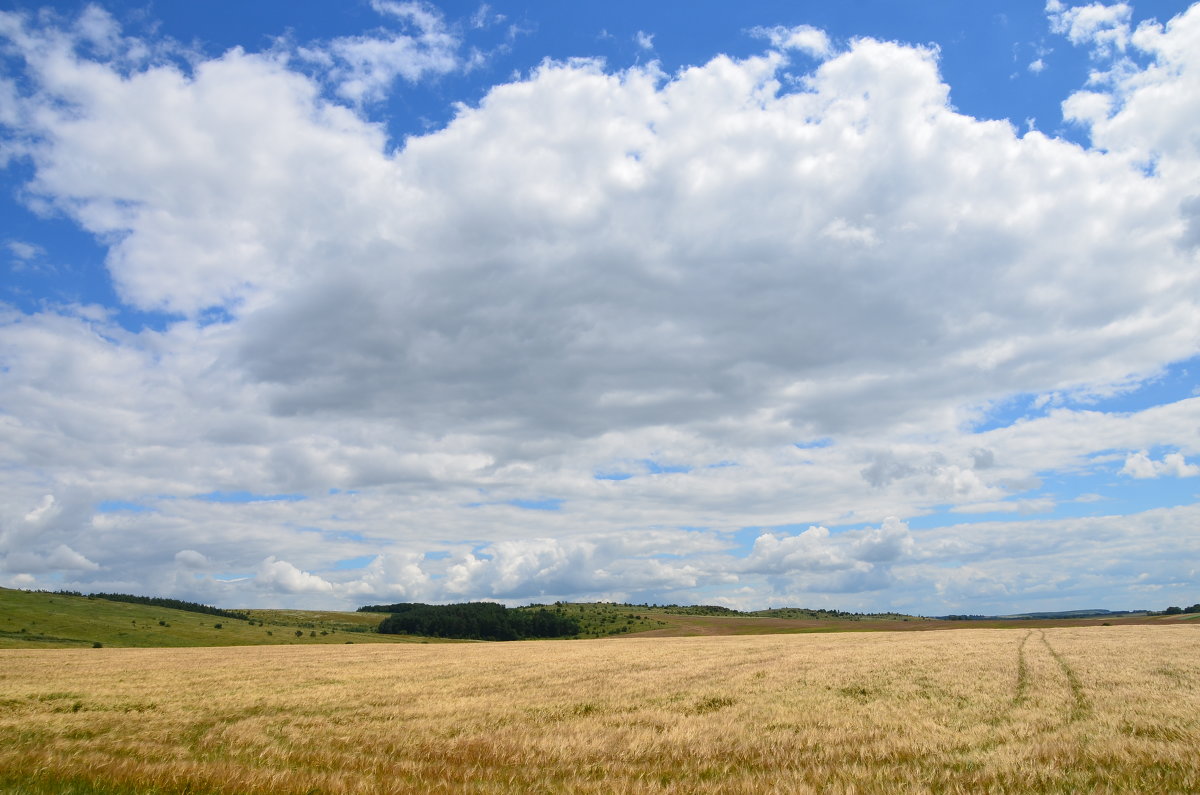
(1016, 710)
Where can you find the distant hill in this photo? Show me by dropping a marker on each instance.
(40, 620)
(1094, 613)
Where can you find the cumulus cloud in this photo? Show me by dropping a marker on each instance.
(675, 278)
(1141, 465)
(1145, 113)
(816, 550)
(280, 575)
(1105, 27)
(554, 568)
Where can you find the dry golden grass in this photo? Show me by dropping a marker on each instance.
(1098, 709)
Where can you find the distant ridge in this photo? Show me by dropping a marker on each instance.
(1093, 613)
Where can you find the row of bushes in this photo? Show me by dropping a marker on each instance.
(174, 604)
(474, 621)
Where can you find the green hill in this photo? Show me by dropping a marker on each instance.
(37, 620)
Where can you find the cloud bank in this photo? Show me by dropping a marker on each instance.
(608, 333)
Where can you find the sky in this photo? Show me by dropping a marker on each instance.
(869, 306)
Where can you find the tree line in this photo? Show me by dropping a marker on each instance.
(161, 601)
(472, 621)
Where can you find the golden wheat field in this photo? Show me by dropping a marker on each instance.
(1096, 709)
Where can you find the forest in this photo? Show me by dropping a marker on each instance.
(473, 621)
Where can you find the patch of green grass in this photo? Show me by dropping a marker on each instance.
(54, 786)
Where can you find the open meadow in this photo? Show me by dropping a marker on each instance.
(1096, 709)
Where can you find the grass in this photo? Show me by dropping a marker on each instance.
(1096, 709)
(42, 620)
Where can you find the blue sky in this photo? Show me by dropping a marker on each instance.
(868, 305)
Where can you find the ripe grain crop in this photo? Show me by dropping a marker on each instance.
(1098, 709)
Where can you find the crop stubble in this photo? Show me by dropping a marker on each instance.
(1043, 710)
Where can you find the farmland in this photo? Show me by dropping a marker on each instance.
(1060, 709)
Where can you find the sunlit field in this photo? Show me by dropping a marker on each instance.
(1086, 709)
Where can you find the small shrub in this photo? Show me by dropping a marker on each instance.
(216, 626)
(712, 704)
(299, 633)
(97, 645)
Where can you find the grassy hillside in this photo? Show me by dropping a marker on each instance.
(44, 620)
(604, 619)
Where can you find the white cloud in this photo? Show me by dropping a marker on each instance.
(890, 542)
(1147, 114)
(805, 38)
(485, 16)
(59, 559)
(553, 568)
(23, 251)
(1104, 27)
(367, 65)
(191, 559)
(44, 509)
(644, 40)
(1141, 466)
(1040, 505)
(280, 575)
(816, 561)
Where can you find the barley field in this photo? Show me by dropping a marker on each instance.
(1082, 709)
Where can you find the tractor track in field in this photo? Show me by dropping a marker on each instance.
(1037, 682)
(1022, 689)
(1080, 705)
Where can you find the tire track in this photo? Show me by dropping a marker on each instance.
(1022, 690)
(1080, 706)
